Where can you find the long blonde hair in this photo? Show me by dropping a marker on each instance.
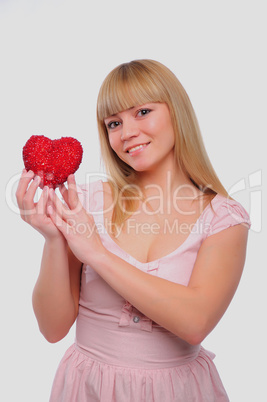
(145, 81)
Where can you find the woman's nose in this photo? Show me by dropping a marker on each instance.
(129, 129)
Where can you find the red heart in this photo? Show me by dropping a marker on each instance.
(52, 160)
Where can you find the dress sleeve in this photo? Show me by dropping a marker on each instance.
(229, 213)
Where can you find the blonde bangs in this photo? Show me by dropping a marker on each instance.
(127, 87)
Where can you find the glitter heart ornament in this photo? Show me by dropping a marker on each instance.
(52, 160)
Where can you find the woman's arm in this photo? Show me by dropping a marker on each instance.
(190, 312)
(56, 293)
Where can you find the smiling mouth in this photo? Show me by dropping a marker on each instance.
(131, 150)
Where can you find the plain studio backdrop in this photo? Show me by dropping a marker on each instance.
(54, 57)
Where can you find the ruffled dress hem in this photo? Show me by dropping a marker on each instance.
(80, 378)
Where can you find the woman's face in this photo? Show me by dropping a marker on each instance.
(142, 136)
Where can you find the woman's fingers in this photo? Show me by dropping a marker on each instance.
(64, 218)
(41, 206)
(60, 210)
(35, 213)
(57, 220)
(64, 193)
(25, 179)
(70, 216)
(70, 195)
(73, 199)
(28, 200)
(25, 194)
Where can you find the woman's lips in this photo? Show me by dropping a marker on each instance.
(137, 148)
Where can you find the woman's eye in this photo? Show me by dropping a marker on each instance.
(113, 124)
(143, 112)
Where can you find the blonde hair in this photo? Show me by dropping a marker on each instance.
(145, 81)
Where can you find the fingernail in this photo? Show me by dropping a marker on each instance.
(37, 179)
(29, 173)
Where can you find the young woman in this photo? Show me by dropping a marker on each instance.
(146, 262)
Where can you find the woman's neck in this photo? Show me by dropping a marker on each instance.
(163, 187)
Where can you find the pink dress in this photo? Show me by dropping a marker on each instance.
(119, 355)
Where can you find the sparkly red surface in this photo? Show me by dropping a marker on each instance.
(52, 160)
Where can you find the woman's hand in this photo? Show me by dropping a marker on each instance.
(77, 226)
(35, 213)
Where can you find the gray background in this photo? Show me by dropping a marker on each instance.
(54, 56)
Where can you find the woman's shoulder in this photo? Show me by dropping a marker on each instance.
(225, 212)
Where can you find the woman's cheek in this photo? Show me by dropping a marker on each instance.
(112, 143)
(115, 144)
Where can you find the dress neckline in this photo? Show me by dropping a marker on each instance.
(165, 256)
